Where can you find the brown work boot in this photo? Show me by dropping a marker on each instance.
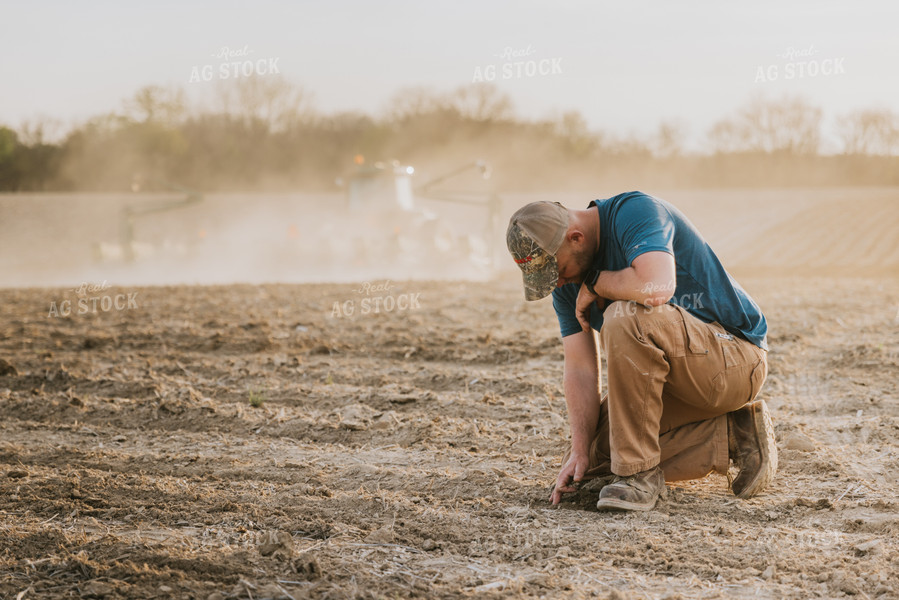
(636, 492)
(751, 445)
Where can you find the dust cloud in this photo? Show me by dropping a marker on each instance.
(68, 239)
(61, 240)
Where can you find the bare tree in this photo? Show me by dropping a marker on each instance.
(725, 137)
(870, 131)
(153, 103)
(578, 139)
(482, 102)
(787, 125)
(40, 130)
(271, 100)
(410, 102)
(669, 139)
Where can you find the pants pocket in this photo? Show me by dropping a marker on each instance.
(696, 334)
(709, 368)
(736, 386)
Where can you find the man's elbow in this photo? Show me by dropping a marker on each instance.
(658, 299)
(654, 293)
(656, 271)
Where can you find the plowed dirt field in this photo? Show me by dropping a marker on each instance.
(252, 441)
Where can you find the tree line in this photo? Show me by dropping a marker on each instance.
(265, 134)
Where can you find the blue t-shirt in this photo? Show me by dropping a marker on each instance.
(633, 223)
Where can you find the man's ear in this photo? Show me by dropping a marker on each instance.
(575, 236)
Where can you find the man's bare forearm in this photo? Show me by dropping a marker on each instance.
(628, 285)
(582, 397)
(650, 281)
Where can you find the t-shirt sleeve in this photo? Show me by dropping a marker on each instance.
(564, 302)
(644, 225)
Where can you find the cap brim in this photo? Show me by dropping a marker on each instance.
(539, 283)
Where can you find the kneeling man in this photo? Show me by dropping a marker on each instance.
(685, 344)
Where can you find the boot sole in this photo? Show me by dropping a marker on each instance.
(768, 450)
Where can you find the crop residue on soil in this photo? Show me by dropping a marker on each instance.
(240, 441)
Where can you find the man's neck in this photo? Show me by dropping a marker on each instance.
(588, 221)
(594, 219)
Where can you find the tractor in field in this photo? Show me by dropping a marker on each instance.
(394, 227)
(382, 225)
(128, 248)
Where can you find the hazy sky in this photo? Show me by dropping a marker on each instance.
(624, 65)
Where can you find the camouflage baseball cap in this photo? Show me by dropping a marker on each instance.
(536, 232)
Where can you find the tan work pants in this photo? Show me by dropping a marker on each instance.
(671, 381)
